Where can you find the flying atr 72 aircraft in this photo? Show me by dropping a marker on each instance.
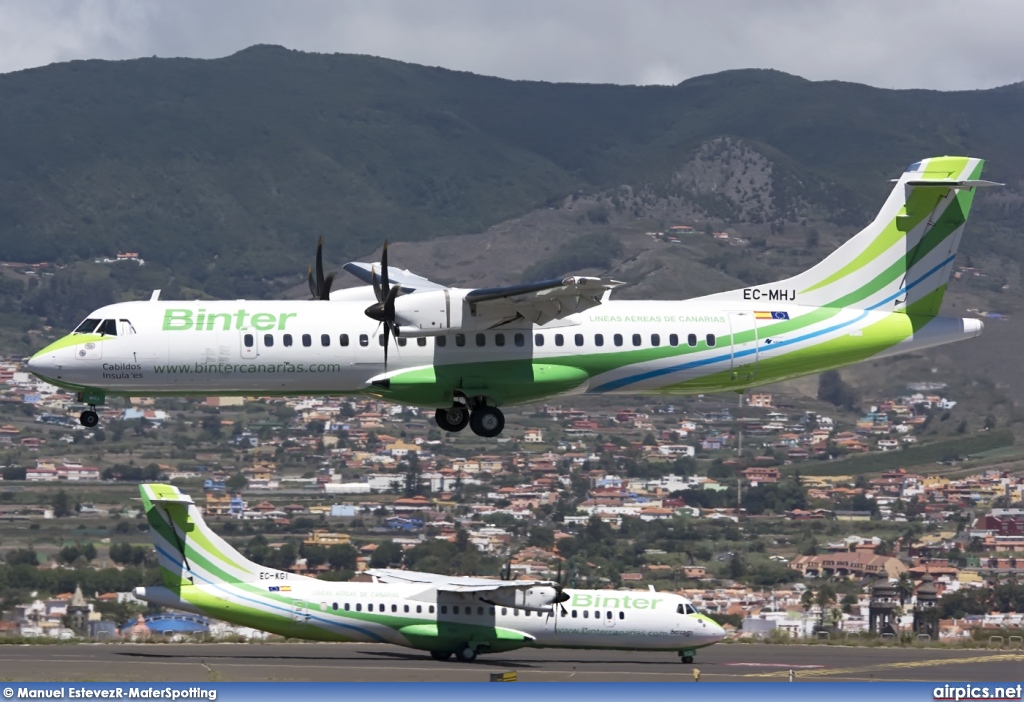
(467, 353)
(445, 615)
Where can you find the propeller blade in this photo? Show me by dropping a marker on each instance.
(387, 334)
(376, 286)
(320, 267)
(384, 284)
(325, 292)
(312, 285)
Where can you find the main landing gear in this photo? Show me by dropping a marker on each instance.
(485, 421)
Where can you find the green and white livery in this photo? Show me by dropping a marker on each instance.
(467, 353)
(444, 615)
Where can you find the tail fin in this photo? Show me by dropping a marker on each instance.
(903, 259)
(189, 551)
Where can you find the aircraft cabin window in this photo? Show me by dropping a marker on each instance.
(422, 341)
(574, 614)
(622, 615)
(125, 327)
(325, 339)
(673, 340)
(343, 340)
(504, 611)
(519, 340)
(637, 340)
(499, 339)
(559, 340)
(359, 606)
(691, 340)
(655, 339)
(444, 609)
(710, 338)
(538, 339)
(515, 612)
(307, 340)
(430, 609)
(608, 615)
(460, 339)
(455, 609)
(419, 609)
(380, 339)
(394, 608)
(334, 606)
(287, 340)
(597, 615)
(268, 340)
(617, 339)
(346, 606)
(364, 340)
(586, 614)
(87, 327)
(442, 340)
(402, 341)
(108, 327)
(579, 340)
(598, 339)
(248, 340)
(406, 608)
(481, 339)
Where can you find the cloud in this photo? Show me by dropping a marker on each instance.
(945, 44)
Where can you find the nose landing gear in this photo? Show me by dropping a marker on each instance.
(89, 418)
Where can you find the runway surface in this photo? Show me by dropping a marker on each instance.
(378, 663)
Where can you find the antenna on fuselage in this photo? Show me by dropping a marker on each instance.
(155, 296)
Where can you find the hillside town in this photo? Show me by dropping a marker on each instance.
(747, 509)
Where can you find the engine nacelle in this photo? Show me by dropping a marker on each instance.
(428, 313)
(541, 598)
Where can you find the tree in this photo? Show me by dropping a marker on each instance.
(61, 504)
(832, 389)
(904, 587)
(413, 472)
(541, 537)
(238, 481)
(342, 557)
(848, 602)
(387, 553)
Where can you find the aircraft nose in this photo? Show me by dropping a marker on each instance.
(717, 632)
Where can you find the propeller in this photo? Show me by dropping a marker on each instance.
(384, 310)
(319, 287)
(560, 589)
(507, 570)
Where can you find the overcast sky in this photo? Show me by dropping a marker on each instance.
(941, 44)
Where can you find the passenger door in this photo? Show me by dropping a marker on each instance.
(745, 351)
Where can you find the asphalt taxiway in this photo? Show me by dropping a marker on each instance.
(378, 663)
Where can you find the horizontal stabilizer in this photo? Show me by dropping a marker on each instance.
(951, 183)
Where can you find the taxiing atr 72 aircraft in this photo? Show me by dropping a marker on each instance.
(467, 353)
(444, 615)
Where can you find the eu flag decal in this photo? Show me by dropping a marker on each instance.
(274, 588)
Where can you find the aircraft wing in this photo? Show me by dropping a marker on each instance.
(540, 302)
(409, 282)
(453, 583)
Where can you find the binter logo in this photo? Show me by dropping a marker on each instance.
(624, 602)
(241, 320)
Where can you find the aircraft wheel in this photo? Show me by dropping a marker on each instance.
(440, 655)
(89, 419)
(454, 418)
(466, 654)
(487, 422)
(686, 659)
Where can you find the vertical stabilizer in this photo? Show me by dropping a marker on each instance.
(903, 259)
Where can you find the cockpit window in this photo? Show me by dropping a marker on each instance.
(686, 609)
(124, 327)
(87, 327)
(108, 327)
